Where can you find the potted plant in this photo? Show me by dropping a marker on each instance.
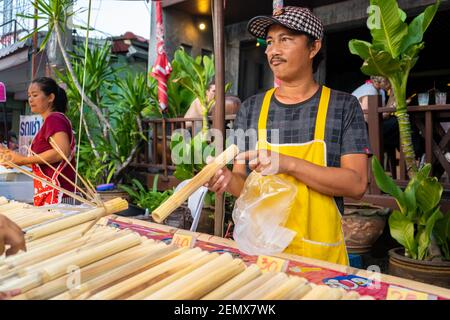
(144, 200)
(419, 226)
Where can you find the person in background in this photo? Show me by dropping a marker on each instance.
(49, 100)
(195, 110)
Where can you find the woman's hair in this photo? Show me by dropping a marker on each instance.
(49, 86)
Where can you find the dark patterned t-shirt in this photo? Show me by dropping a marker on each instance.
(345, 131)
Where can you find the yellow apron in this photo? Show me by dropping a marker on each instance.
(314, 216)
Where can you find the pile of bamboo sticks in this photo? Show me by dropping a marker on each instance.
(108, 263)
(26, 215)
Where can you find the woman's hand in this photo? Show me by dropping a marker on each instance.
(7, 155)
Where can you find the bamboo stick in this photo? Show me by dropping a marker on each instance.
(145, 292)
(37, 219)
(322, 292)
(36, 266)
(121, 272)
(250, 273)
(32, 175)
(3, 201)
(173, 290)
(299, 292)
(110, 207)
(250, 287)
(63, 235)
(278, 280)
(178, 198)
(89, 186)
(59, 285)
(169, 267)
(81, 259)
(281, 292)
(88, 196)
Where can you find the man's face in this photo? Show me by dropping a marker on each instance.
(288, 54)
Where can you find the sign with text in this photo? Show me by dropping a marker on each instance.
(183, 240)
(29, 126)
(271, 264)
(398, 293)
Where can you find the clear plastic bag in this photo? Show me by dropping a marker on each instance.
(260, 214)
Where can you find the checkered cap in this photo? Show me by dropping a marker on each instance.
(294, 18)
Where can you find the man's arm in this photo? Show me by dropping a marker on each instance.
(349, 180)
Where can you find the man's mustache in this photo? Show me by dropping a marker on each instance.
(277, 58)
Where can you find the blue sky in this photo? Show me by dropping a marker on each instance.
(115, 17)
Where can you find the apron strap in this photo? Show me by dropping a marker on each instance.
(321, 118)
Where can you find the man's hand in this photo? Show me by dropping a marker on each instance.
(12, 235)
(219, 182)
(265, 161)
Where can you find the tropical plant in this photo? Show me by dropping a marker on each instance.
(195, 75)
(392, 54)
(147, 199)
(419, 218)
(122, 96)
(54, 14)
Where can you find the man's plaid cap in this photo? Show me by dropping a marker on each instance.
(294, 18)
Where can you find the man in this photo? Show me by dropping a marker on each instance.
(323, 143)
(12, 235)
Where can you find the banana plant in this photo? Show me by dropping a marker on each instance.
(195, 75)
(394, 51)
(419, 218)
(55, 14)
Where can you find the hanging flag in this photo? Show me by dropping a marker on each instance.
(161, 69)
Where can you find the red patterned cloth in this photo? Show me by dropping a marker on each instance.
(161, 69)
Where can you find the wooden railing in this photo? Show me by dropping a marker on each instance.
(428, 121)
(155, 156)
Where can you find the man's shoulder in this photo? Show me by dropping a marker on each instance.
(343, 99)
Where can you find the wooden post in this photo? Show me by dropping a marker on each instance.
(429, 138)
(219, 109)
(375, 135)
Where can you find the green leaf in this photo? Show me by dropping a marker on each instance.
(419, 25)
(429, 194)
(393, 29)
(442, 233)
(182, 172)
(387, 185)
(360, 48)
(424, 237)
(402, 230)
(380, 63)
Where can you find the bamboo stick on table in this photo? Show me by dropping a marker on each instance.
(170, 266)
(81, 259)
(35, 266)
(3, 201)
(299, 292)
(250, 287)
(123, 273)
(34, 220)
(278, 280)
(201, 281)
(351, 295)
(145, 292)
(323, 292)
(63, 235)
(250, 273)
(59, 285)
(110, 207)
(171, 291)
(283, 291)
(178, 198)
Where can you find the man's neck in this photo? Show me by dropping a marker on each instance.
(296, 91)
